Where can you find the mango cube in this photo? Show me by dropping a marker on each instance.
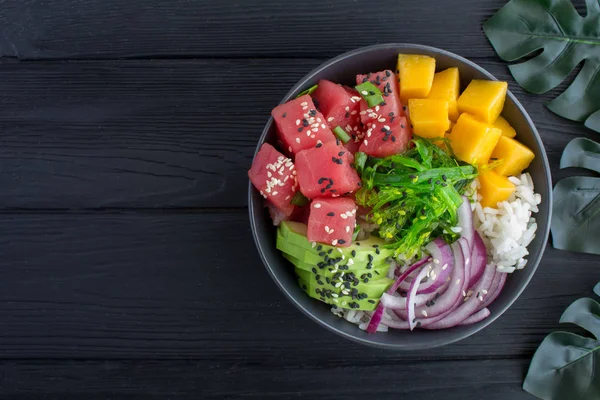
(446, 85)
(429, 117)
(483, 99)
(473, 141)
(452, 123)
(415, 73)
(505, 127)
(514, 155)
(494, 188)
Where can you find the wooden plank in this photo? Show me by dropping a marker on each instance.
(191, 285)
(281, 378)
(157, 134)
(106, 29)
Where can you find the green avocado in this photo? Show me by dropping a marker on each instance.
(342, 297)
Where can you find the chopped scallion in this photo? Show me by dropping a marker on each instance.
(370, 93)
(308, 91)
(341, 134)
(356, 231)
(299, 200)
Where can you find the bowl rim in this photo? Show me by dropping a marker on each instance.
(531, 264)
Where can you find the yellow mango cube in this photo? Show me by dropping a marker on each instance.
(494, 188)
(514, 155)
(429, 117)
(415, 73)
(505, 127)
(446, 85)
(473, 141)
(483, 99)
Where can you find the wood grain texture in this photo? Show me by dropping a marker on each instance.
(168, 286)
(262, 379)
(36, 29)
(158, 134)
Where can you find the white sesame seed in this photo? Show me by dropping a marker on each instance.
(287, 197)
(363, 112)
(340, 250)
(313, 244)
(269, 174)
(337, 285)
(458, 281)
(480, 298)
(347, 229)
(364, 92)
(353, 112)
(381, 120)
(445, 266)
(484, 291)
(297, 140)
(290, 148)
(315, 129)
(312, 136)
(464, 294)
(365, 142)
(334, 295)
(347, 108)
(304, 103)
(387, 128)
(317, 205)
(344, 216)
(467, 260)
(297, 122)
(326, 229)
(351, 262)
(346, 292)
(323, 126)
(334, 242)
(424, 313)
(376, 108)
(369, 133)
(275, 193)
(436, 261)
(329, 119)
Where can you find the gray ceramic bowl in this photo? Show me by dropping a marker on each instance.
(343, 69)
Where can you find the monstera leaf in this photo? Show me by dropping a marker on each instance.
(564, 366)
(576, 209)
(523, 27)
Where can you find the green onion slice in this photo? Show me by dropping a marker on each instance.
(370, 93)
(299, 200)
(308, 91)
(341, 134)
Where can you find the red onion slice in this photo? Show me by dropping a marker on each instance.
(478, 260)
(410, 297)
(465, 221)
(477, 317)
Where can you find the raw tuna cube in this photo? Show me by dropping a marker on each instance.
(300, 125)
(387, 82)
(274, 175)
(387, 138)
(341, 106)
(332, 221)
(326, 171)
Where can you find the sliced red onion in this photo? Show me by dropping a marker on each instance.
(411, 295)
(465, 221)
(478, 260)
(495, 290)
(452, 296)
(470, 306)
(440, 267)
(378, 314)
(477, 317)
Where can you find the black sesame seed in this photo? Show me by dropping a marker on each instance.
(370, 256)
(444, 184)
(304, 287)
(341, 153)
(371, 93)
(333, 191)
(312, 113)
(300, 129)
(393, 138)
(329, 251)
(370, 275)
(284, 115)
(444, 178)
(369, 75)
(385, 138)
(328, 280)
(387, 73)
(337, 141)
(402, 126)
(391, 114)
(304, 123)
(411, 176)
(365, 80)
(429, 180)
(383, 104)
(323, 190)
(353, 253)
(359, 184)
(419, 324)
(341, 241)
(375, 246)
(376, 272)
(317, 277)
(392, 119)
(319, 247)
(330, 214)
(314, 270)
(404, 108)
(347, 285)
(437, 295)
(347, 115)
(358, 243)
(319, 145)
(377, 251)
(371, 301)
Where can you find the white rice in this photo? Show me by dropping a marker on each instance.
(508, 230)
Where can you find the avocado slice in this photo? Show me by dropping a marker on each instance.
(377, 272)
(321, 258)
(331, 295)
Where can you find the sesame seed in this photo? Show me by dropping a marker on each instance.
(317, 205)
(464, 294)
(458, 281)
(424, 313)
(364, 93)
(313, 244)
(297, 140)
(326, 229)
(366, 142)
(436, 261)
(347, 229)
(329, 119)
(484, 291)
(334, 242)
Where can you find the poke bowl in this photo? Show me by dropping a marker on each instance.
(400, 196)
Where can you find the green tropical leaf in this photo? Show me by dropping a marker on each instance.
(576, 215)
(563, 367)
(566, 39)
(581, 153)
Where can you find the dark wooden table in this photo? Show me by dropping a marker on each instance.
(127, 265)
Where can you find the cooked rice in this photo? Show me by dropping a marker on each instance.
(508, 230)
